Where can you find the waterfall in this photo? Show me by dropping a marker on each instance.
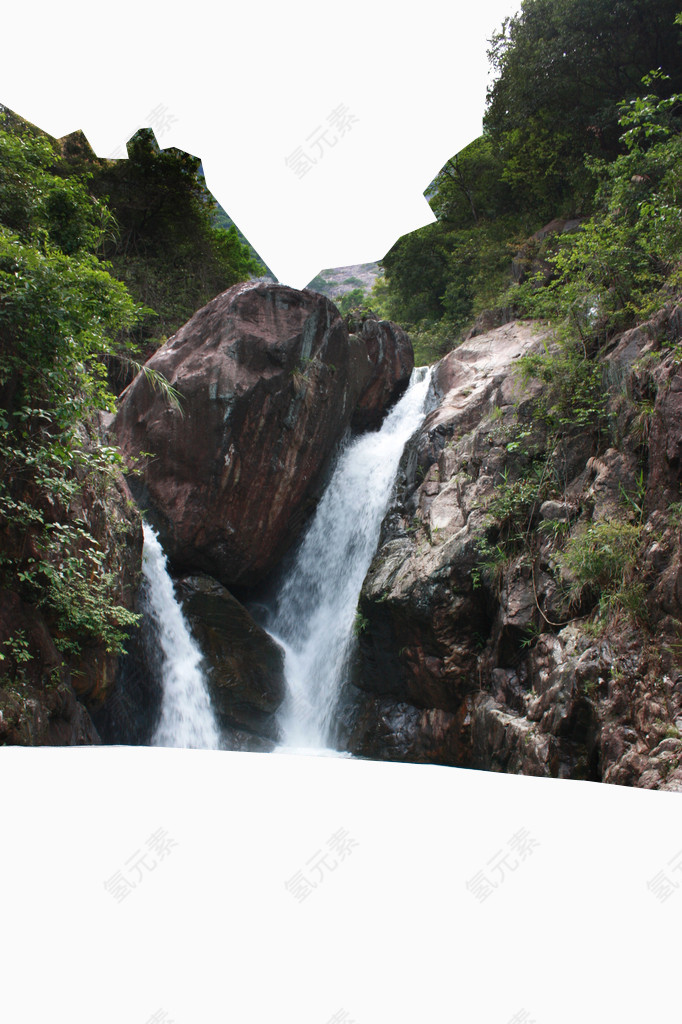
(186, 716)
(316, 604)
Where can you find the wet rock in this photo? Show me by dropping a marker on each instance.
(382, 728)
(244, 665)
(238, 739)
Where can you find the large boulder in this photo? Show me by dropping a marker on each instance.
(392, 357)
(269, 379)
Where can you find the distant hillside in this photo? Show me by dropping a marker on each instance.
(338, 281)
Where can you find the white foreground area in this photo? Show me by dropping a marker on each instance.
(388, 932)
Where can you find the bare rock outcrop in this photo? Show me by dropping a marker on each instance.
(392, 358)
(479, 645)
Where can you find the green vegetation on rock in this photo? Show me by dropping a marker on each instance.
(61, 314)
(100, 260)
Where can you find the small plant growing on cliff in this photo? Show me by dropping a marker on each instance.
(15, 649)
(554, 528)
(601, 559)
(531, 634)
(489, 569)
(674, 511)
(590, 687)
(157, 382)
(360, 623)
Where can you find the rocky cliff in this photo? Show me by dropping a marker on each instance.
(523, 611)
(52, 679)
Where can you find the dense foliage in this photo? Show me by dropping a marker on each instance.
(583, 121)
(99, 259)
(563, 68)
(61, 312)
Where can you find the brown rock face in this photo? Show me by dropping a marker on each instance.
(392, 357)
(386, 729)
(269, 379)
(38, 705)
(115, 523)
(65, 670)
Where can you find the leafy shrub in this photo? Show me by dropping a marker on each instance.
(601, 559)
(574, 397)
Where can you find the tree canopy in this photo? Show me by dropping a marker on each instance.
(563, 67)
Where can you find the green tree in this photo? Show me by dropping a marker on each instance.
(563, 68)
(625, 260)
(416, 270)
(164, 245)
(61, 313)
(470, 188)
(60, 308)
(353, 299)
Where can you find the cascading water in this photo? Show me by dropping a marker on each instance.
(316, 603)
(186, 716)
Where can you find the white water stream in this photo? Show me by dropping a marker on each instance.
(316, 604)
(186, 716)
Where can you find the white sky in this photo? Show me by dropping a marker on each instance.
(244, 87)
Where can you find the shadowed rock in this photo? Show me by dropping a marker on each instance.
(38, 705)
(244, 665)
(392, 357)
